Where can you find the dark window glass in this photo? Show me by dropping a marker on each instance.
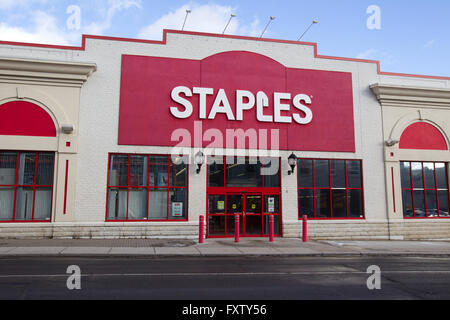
(405, 170)
(216, 174)
(159, 171)
(118, 172)
(428, 170)
(216, 225)
(6, 203)
(408, 210)
(253, 204)
(417, 175)
(441, 176)
(355, 204)
(27, 163)
(117, 204)
(321, 173)
(323, 209)
(419, 204)
(339, 203)
(140, 188)
(306, 202)
(8, 161)
(216, 204)
(178, 175)
(272, 173)
(354, 174)
(253, 224)
(138, 171)
(443, 203)
(137, 204)
(178, 204)
(45, 169)
(432, 211)
(272, 204)
(157, 204)
(243, 172)
(305, 174)
(43, 203)
(231, 223)
(24, 203)
(234, 204)
(27, 179)
(276, 226)
(337, 171)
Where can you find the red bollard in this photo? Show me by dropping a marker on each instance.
(236, 228)
(271, 228)
(305, 228)
(202, 228)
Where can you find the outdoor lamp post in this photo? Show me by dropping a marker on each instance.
(292, 160)
(199, 161)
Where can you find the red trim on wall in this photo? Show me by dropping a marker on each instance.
(164, 41)
(65, 187)
(393, 188)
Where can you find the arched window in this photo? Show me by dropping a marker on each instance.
(26, 177)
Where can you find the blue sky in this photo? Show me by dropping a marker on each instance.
(413, 35)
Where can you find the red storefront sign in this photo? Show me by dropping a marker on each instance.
(234, 93)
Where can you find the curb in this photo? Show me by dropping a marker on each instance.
(262, 255)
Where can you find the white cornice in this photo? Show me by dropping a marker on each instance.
(30, 70)
(397, 95)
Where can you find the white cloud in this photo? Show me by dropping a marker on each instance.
(8, 4)
(114, 7)
(44, 27)
(45, 30)
(204, 18)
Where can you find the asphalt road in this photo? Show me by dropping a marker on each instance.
(263, 278)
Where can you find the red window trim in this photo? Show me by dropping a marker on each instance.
(34, 186)
(330, 188)
(424, 189)
(147, 187)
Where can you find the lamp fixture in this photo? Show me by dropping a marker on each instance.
(231, 17)
(292, 160)
(392, 142)
(185, 19)
(270, 20)
(67, 128)
(199, 161)
(312, 23)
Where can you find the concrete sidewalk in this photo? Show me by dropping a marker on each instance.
(220, 247)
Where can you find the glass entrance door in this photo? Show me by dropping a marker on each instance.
(253, 215)
(252, 209)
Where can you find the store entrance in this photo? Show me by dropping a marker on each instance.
(249, 188)
(254, 210)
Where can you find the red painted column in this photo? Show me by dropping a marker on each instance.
(271, 228)
(305, 228)
(202, 228)
(236, 228)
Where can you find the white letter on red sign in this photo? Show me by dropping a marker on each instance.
(221, 105)
(241, 105)
(307, 111)
(262, 101)
(188, 109)
(203, 92)
(278, 107)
